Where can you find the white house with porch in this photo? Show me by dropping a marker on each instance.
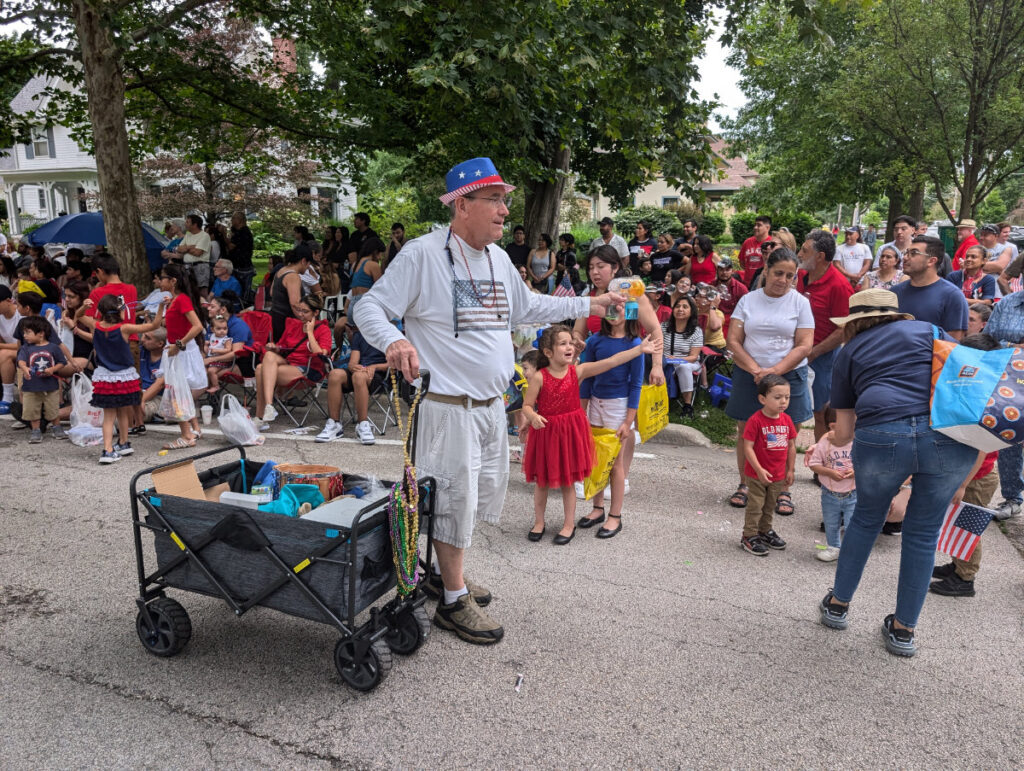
(48, 176)
(52, 175)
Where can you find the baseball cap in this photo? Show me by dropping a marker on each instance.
(994, 229)
(853, 229)
(725, 262)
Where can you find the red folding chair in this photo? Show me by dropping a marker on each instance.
(260, 325)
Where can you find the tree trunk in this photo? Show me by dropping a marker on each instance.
(104, 88)
(544, 201)
(915, 204)
(895, 210)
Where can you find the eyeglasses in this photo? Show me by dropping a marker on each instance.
(493, 200)
(768, 246)
(915, 253)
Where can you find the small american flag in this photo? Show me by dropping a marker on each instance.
(962, 528)
(564, 289)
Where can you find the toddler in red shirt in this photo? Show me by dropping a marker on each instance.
(769, 446)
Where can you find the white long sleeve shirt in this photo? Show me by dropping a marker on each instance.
(434, 296)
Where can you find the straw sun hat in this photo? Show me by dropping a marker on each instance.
(872, 302)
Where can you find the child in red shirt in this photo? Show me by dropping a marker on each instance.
(769, 446)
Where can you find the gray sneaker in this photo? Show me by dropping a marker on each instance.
(1007, 509)
(56, 432)
(899, 642)
(35, 437)
(433, 587)
(469, 621)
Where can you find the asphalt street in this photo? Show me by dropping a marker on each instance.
(667, 646)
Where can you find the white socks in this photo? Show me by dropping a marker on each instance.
(8, 392)
(450, 597)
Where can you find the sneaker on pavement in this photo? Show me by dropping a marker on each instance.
(332, 430)
(469, 621)
(364, 431)
(833, 615)
(754, 545)
(772, 540)
(56, 432)
(828, 554)
(433, 586)
(123, 449)
(953, 586)
(263, 427)
(269, 414)
(1007, 509)
(892, 528)
(109, 457)
(941, 571)
(899, 642)
(5, 408)
(35, 437)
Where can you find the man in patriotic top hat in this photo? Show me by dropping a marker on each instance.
(460, 296)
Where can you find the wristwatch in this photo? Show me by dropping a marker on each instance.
(181, 345)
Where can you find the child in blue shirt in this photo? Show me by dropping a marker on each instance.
(613, 400)
(39, 362)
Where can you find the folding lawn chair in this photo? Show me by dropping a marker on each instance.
(303, 392)
(260, 325)
(717, 365)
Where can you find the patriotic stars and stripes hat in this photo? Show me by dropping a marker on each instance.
(472, 175)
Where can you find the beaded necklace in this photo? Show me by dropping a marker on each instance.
(404, 503)
(493, 293)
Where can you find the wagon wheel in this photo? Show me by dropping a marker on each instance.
(409, 630)
(362, 672)
(171, 631)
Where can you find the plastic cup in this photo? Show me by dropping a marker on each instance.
(207, 413)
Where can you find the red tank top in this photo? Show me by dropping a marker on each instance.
(558, 397)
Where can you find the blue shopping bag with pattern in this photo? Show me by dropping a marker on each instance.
(978, 396)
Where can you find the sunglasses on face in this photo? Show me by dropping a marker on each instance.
(767, 246)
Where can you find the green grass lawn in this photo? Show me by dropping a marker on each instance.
(710, 421)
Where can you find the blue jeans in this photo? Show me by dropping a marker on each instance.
(836, 508)
(886, 454)
(1011, 462)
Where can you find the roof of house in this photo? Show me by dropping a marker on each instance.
(737, 174)
(31, 97)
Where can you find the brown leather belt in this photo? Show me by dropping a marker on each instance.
(462, 401)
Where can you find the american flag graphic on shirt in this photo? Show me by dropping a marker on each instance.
(961, 530)
(479, 310)
(774, 441)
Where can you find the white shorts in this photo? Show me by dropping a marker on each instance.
(466, 451)
(607, 413)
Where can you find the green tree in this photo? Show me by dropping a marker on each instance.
(993, 208)
(546, 89)
(712, 224)
(660, 220)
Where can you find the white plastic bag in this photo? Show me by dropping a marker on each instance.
(86, 420)
(176, 404)
(82, 411)
(236, 424)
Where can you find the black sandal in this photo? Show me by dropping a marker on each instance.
(739, 498)
(586, 522)
(784, 499)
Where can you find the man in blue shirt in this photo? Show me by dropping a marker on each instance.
(927, 297)
(1006, 324)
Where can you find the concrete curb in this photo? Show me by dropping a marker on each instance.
(681, 436)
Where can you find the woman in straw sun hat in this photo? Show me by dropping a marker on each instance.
(881, 388)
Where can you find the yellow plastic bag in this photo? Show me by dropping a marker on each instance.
(652, 413)
(606, 450)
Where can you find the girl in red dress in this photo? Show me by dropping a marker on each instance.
(560, 448)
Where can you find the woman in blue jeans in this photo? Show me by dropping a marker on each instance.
(881, 386)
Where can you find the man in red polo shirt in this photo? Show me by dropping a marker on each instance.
(751, 258)
(829, 294)
(965, 235)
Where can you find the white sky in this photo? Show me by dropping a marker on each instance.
(719, 78)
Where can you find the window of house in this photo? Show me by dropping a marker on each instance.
(40, 144)
(669, 200)
(42, 198)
